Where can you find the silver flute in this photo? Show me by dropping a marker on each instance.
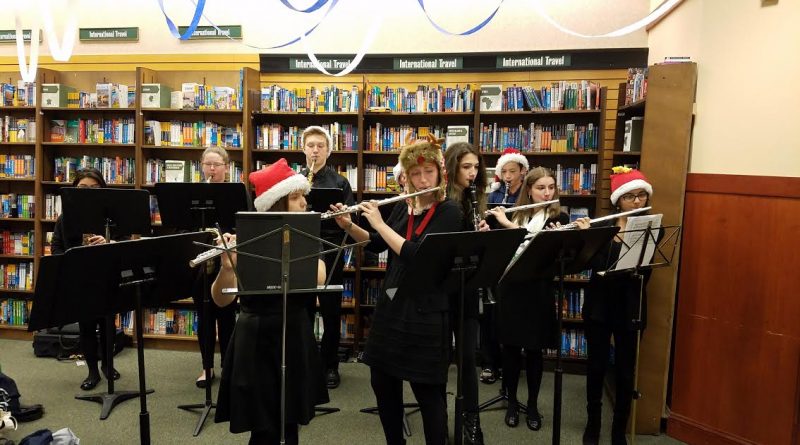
(357, 208)
(574, 225)
(525, 207)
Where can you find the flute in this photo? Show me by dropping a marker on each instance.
(525, 207)
(573, 225)
(209, 254)
(357, 208)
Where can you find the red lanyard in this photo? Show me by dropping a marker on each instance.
(422, 225)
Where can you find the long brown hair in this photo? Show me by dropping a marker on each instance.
(535, 174)
(452, 160)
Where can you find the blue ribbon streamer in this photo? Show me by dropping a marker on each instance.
(312, 8)
(465, 33)
(198, 12)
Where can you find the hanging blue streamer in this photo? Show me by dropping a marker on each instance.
(198, 12)
(312, 8)
(465, 33)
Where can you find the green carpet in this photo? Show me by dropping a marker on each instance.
(172, 374)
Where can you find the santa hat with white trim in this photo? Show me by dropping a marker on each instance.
(314, 129)
(625, 180)
(509, 155)
(275, 182)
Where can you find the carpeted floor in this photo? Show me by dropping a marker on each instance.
(171, 374)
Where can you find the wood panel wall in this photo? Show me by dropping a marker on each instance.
(737, 339)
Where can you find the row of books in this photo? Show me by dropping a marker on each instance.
(17, 206)
(561, 95)
(163, 321)
(115, 170)
(105, 95)
(636, 85)
(583, 275)
(383, 138)
(348, 285)
(47, 246)
(561, 138)
(52, 206)
(425, 99)
(17, 166)
(573, 344)
(310, 100)
(271, 136)
(176, 170)
(347, 257)
(371, 289)
(347, 328)
(380, 178)
(23, 94)
(177, 133)
(197, 96)
(17, 129)
(15, 312)
(93, 131)
(572, 306)
(17, 243)
(17, 276)
(580, 180)
(155, 213)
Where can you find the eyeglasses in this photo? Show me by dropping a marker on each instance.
(213, 164)
(93, 186)
(629, 197)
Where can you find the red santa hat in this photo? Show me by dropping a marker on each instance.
(625, 180)
(509, 155)
(275, 182)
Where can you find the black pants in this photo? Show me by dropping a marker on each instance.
(470, 366)
(222, 320)
(88, 341)
(330, 308)
(512, 363)
(598, 343)
(432, 403)
(491, 356)
(267, 437)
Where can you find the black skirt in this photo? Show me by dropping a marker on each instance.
(249, 392)
(527, 315)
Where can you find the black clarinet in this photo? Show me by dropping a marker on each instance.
(485, 297)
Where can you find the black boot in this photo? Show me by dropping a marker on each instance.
(472, 429)
(591, 435)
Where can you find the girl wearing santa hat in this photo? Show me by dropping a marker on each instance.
(508, 174)
(526, 311)
(409, 339)
(249, 392)
(610, 306)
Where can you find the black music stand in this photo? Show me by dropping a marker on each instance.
(98, 210)
(661, 238)
(198, 206)
(554, 253)
(125, 276)
(251, 248)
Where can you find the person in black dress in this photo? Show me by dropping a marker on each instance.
(317, 147)
(527, 311)
(86, 177)
(249, 393)
(410, 335)
(611, 305)
(465, 164)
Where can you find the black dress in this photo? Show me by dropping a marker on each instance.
(527, 310)
(249, 392)
(410, 332)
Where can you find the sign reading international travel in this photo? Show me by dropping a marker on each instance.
(10, 35)
(212, 33)
(300, 64)
(534, 62)
(428, 63)
(109, 34)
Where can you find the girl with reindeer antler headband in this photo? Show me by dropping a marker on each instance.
(409, 335)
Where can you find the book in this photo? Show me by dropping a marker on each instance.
(457, 133)
(174, 171)
(58, 130)
(632, 139)
(103, 91)
(491, 98)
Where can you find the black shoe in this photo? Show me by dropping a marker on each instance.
(201, 381)
(591, 435)
(90, 382)
(489, 376)
(332, 378)
(512, 414)
(114, 375)
(472, 429)
(534, 421)
(28, 413)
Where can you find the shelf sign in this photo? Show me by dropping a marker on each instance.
(299, 63)
(534, 62)
(10, 35)
(211, 33)
(109, 34)
(428, 63)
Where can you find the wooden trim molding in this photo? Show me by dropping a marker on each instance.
(745, 185)
(689, 431)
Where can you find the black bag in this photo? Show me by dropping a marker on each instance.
(64, 342)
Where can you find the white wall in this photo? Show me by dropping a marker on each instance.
(748, 60)
(516, 27)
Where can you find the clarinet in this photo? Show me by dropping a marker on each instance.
(476, 221)
(505, 194)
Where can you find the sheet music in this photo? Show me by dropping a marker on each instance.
(633, 240)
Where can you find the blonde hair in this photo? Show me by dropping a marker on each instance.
(535, 174)
(216, 150)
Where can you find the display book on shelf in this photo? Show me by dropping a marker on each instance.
(632, 98)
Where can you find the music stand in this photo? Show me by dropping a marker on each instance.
(636, 242)
(198, 206)
(557, 253)
(247, 274)
(97, 210)
(65, 293)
